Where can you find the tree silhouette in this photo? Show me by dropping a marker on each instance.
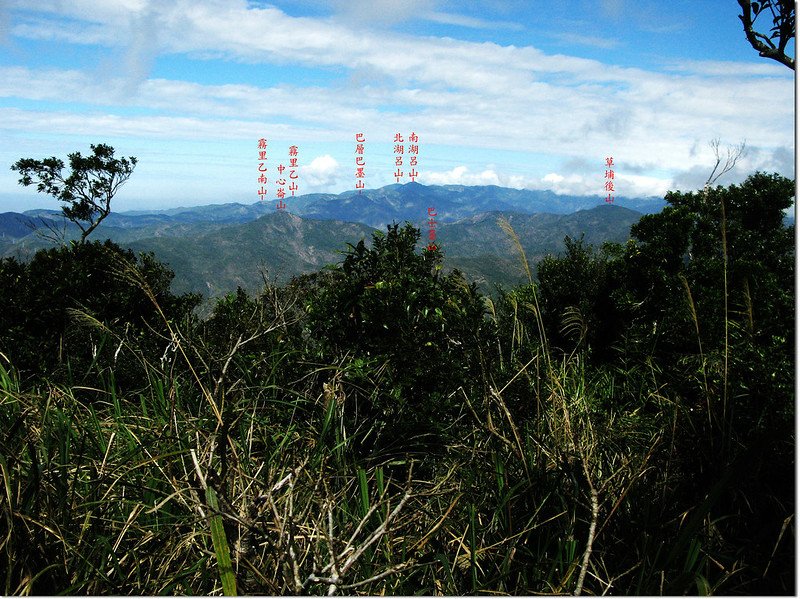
(782, 29)
(87, 189)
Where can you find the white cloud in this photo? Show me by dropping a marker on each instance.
(321, 174)
(460, 175)
(462, 93)
(147, 127)
(581, 39)
(639, 185)
(593, 184)
(369, 13)
(779, 159)
(449, 18)
(569, 184)
(726, 68)
(565, 184)
(554, 178)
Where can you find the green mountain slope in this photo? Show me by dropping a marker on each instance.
(282, 245)
(213, 258)
(479, 247)
(279, 245)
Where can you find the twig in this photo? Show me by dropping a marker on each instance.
(778, 542)
(334, 559)
(590, 538)
(379, 532)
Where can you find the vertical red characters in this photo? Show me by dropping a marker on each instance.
(609, 187)
(293, 170)
(431, 229)
(280, 181)
(413, 151)
(262, 168)
(398, 156)
(360, 164)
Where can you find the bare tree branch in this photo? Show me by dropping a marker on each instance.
(732, 156)
(783, 29)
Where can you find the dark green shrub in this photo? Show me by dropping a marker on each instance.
(43, 336)
(393, 306)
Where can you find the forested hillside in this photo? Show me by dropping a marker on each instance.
(620, 422)
(214, 249)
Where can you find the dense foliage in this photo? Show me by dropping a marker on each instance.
(57, 311)
(623, 424)
(394, 309)
(88, 188)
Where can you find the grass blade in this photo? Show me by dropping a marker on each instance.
(221, 549)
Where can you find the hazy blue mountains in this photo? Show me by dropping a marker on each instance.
(374, 207)
(410, 202)
(213, 249)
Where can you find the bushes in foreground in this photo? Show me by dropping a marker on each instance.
(379, 428)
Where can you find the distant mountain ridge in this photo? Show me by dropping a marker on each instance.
(214, 260)
(282, 245)
(15, 225)
(410, 201)
(374, 207)
(213, 249)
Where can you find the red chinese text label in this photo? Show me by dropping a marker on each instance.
(262, 168)
(400, 151)
(431, 229)
(609, 185)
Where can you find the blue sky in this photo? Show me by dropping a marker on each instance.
(525, 94)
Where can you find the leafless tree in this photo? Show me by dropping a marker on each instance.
(732, 156)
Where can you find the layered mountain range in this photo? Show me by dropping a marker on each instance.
(215, 248)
